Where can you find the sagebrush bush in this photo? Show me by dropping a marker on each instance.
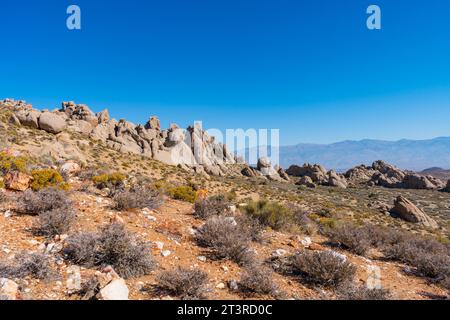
(224, 236)
(271, 214)
(258, 280)
(112, 180)
(114, 246)
(183, 193)
(186, 284)
(212, 206)
(350, 237)
(250, 226)
(81, 248)
(46, 178)
(25, 264)
(137, 198)
(55, 222)
(323, 268)
(351, 291)
(44, 200)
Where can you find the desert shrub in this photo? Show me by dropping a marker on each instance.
(137, 198)
(250, 226)
(81, 248)
(114, 246)
(436, 266)
(54, 222)
(43, 201)
(270, 214)
(223, 235)
(46, 178)
(411, 247)
(305, 223)
(2, 186)
(351, 291)
(323, 268)
(183, 193)
(10, 163)
(187, 284)
(381, 236)
(351, 238)
(257, 279)
(212, 206)
(25, 264)
(112, 181)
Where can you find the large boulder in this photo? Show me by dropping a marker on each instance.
(406, 210)
(306, 181)
(447, 188)
(51, 122)
(266, 169)
(335, 180)
(415, 181)
(29, 118)
(17, 181)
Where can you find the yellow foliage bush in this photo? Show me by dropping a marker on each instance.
(109, 180)
(45, 178)
(184, 193)
(11, 163)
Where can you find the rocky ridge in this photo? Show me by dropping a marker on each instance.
(192, 149)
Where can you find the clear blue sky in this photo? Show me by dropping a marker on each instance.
(310, 68)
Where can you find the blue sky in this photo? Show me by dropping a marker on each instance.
(310, 68)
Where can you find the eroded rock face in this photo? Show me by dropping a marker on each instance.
(406, 210)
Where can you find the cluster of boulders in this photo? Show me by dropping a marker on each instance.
(389, 176)
(193, 149)
(379, 174)
(265, 169)
(314, 174)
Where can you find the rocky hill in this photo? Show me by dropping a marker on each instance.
(94, 208)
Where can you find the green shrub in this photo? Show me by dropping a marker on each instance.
(270, 214)
(46, 178)
(183, 193)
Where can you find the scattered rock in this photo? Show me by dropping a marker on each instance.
(115, 290)
(9, 289)
(73, 282)
(17, 181)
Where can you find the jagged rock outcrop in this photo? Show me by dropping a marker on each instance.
(406, 210)
(193, 148)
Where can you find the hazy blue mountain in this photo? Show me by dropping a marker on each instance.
(415, 155)
(406, 154)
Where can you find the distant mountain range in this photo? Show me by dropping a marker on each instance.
(414, 155)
